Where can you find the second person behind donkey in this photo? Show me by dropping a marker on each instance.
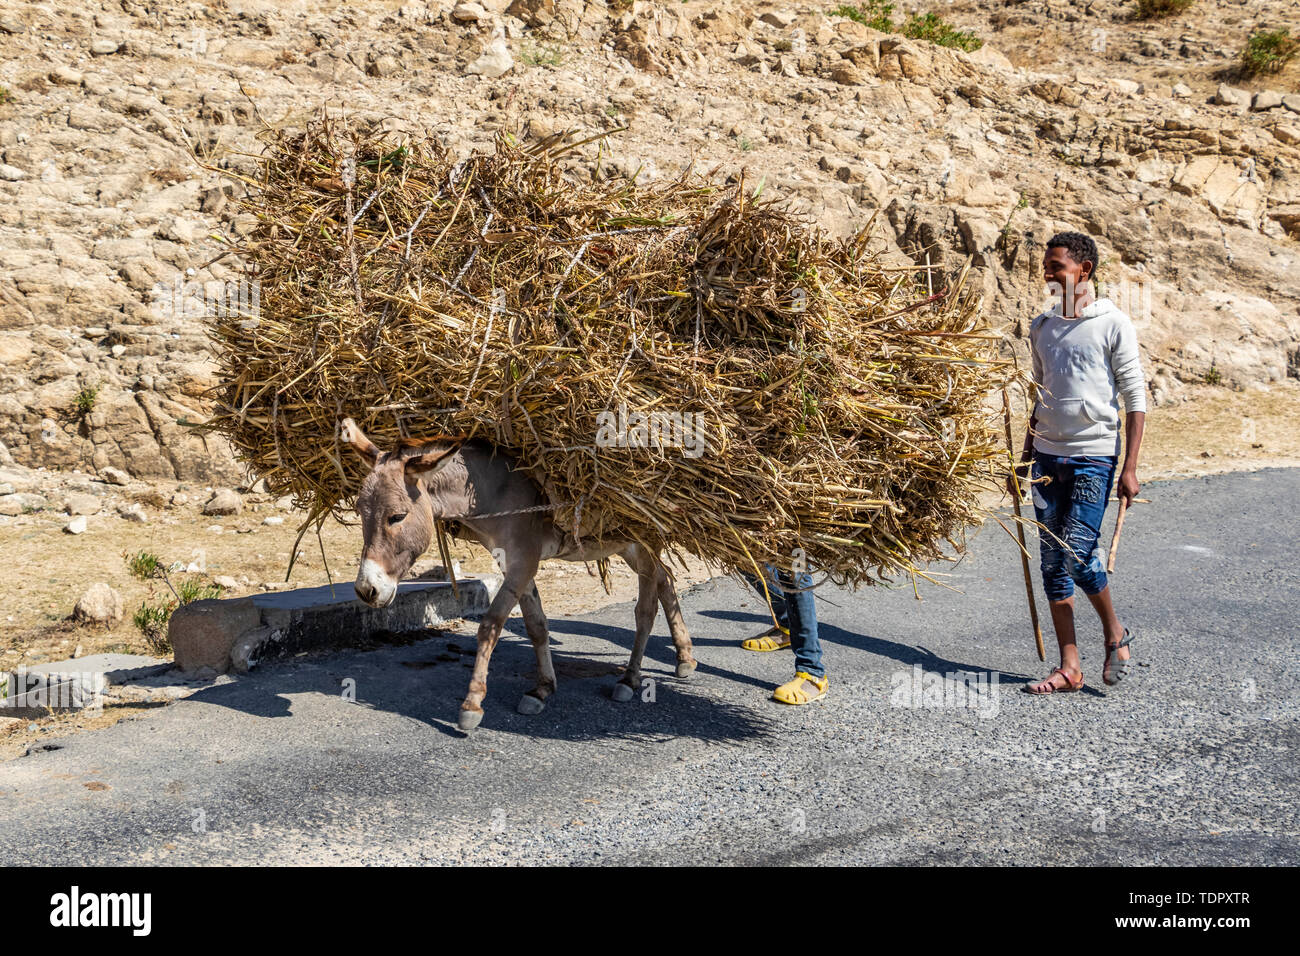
(791, 600)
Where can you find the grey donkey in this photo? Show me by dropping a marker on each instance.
(473, 483)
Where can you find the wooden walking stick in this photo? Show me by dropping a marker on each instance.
(1114, 541)
(1020, 531)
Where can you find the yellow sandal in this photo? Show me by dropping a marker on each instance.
(773, 639)
(794, 693)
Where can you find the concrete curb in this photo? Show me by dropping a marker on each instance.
(77, 684)
(213, 637)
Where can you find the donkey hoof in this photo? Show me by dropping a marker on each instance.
(469, 719)
(686, 668)
(622, 693)
(528, 704)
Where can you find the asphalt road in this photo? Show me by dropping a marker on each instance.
(1193, 761)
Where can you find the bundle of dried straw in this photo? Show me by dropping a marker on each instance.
(675, 362)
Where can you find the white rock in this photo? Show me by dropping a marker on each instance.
(133, 512)
(273, 519)
(11, 174)
(76, 526)
(177, 230)
(225, 582)
(495, 61)
(104, 47)
(115, 476)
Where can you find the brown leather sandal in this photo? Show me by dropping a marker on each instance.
(1070, 685)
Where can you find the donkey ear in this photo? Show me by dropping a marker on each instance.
(350, 434)
(427, 459)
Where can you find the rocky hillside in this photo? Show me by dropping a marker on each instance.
(1143, 135)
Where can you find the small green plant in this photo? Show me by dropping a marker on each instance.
(541, 54)
(1268, 51)
(1213, 376)
(5, 95)
(1154, 9)
(877, 14)
(934, 29)
(746, 144)
(85, 400)
(151, 621)
(143, 565)
(1021, 203)
(191, 590)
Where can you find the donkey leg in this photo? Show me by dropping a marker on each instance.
(535, 622)
(489, 632)
(686, 662)
(647, 606)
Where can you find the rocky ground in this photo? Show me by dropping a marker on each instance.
(125, 123)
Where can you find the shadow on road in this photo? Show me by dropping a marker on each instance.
(905, 654)
(426, 681)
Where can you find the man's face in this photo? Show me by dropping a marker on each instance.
(1063, 275)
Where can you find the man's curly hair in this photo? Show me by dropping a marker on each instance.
(1079, 247)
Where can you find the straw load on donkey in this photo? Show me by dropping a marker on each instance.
(643, 366)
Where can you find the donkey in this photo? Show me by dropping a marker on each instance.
(482, 490)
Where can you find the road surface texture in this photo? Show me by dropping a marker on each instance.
(1193, 761)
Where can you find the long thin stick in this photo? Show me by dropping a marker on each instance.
(1114, 541)
(1020, 532)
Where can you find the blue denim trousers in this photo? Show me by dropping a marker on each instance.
(796, 611)
(1071, 505)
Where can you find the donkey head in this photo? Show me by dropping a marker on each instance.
(395, 508)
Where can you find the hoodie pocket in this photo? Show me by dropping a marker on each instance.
(1065, 420)
(1101, 413)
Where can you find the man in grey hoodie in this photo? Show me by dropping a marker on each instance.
(1085, 357)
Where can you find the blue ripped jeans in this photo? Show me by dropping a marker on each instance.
(1071, 507)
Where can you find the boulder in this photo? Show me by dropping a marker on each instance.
(82, 505)
(114, 476)
(1266, 100)
(203, 632)
(1231, 96)
(99, 605)
(224, 501)
(779, 18)
(468, 13)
